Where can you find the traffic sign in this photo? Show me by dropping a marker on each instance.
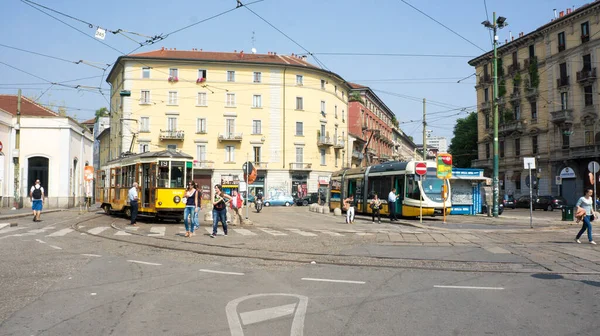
(88, 173)
(1, 147)
(444, 166)
(421, 168)
(593, 166)
(247, 166)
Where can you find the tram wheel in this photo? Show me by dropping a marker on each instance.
(106, 209)
(127, 212)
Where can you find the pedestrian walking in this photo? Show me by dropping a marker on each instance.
(237, 205)
(191, 207)
(36, 193)
(376, 207)
(349, 207)
(219, 212)
(132, 196)
(585, 202)
(392, 196)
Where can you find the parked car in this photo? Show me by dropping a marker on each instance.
(549, 203)
(522, 202)
(280, 200)
(509, 201)
(500, 208)
(308, 199)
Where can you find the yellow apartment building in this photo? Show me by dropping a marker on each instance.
(548, 105)
(280, 112)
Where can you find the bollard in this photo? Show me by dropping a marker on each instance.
(337, 212)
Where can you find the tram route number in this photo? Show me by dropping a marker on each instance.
(163, 163)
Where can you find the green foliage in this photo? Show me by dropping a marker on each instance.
(502, 88)
(508, 116)
(534, 76)
(101, 112)
(463, 146)
(517, 80)
(355, 96)
(500, 68)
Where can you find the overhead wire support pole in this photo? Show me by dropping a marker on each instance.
(424, 130)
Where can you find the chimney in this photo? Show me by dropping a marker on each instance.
(304, 57)
(510, 35)
(175, 49)
(555, 16)
(568, 11)
(235, 51)
(162, 49)
(242, 54)
(561, 14)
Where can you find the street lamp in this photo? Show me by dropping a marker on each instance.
(494, 26)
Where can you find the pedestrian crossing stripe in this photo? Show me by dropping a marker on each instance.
(60, 233)
(273, 232)
(157, 231)
(302, 233)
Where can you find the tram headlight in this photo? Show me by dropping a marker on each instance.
(176, 199)
(159, 203)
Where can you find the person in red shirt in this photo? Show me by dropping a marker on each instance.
(237, 205)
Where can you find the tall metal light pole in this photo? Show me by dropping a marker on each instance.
(497, 24)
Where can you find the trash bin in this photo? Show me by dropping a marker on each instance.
(567, 213)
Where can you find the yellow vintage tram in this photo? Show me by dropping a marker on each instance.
(161, 176)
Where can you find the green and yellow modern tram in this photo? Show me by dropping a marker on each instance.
(379, 179)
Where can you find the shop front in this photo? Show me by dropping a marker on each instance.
(230, 183)
(299, 186)
(323, 188)
(258, 186)
(203, 182)
(466, 190)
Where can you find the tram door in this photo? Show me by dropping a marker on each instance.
(152, 184)
(146, 176)
(399, 185)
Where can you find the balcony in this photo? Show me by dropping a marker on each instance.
(531, 93)
(260, 165)
(501, 101)
(516, 95)
(485, 79)
(324, 141)
(357, 155)
(510, 126)
(562, 82)
(237, 137)
(340, 143)
(482, 163)
(585, 38)
(514, 68)
(562, 116)
(171, 135)
(203, 164)
(300, 166)
(485, 105)
(586, 76)
(371, 151)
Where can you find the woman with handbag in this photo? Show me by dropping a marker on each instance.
(349, 207)
(585, 202)
(376, 206)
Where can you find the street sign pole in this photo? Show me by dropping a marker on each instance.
(247, 187)
(595, 170)
(444, 196)
(530, 197)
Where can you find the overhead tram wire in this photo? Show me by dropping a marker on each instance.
(443, 25)
(390, 54)
(56, 58)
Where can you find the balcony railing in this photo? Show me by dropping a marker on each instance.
(230, 137)
(531, 92)
(371, 151)
(510, 126)
(324, 141)
(357, 155)
(203, 164)
(512, 68)
(516, 95)
(561, 116)
(171, 135)
(561, 82)
(486, 105)
(585, 76)
(300, 166)
(260, 165)
(340, 143)
(485, 79)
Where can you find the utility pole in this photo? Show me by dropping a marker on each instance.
(17, 192)
(424, 131)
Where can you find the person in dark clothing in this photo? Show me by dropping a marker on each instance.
(376, 206)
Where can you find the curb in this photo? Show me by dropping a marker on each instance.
(2, 217)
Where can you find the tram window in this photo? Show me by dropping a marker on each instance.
(380, 185)
(118, 176)
(412, 188)
(177, 173)
(432, 186)
(163, 177)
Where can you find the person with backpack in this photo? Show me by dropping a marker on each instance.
(236, 207)
(220, 210)
(37, 200)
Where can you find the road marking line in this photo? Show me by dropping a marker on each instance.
(496, 250)
(219, 231)
(144, 262)
(331, 233)
(55, 247)
(3, 225)
(469, 287)
(98, 230)
(220, 272)
(40, 241)
(245, 232)
(333, 280)
(60, 233)
(132, 228)
(273, 232)
(122, 233)
(262, 315)
(303, 233)
(91, 255)
(158, 231)
(364, 234)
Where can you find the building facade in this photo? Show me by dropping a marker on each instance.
(548, 105)
(371, 125)
(404, 148)
(280, 112)
(439, 142)
(53, 149)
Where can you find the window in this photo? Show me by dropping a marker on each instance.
(518, 181)
(486, 95)
(588, 95)
(485, 71)
(517, 147)
(343, 115)
(534, 144)
(230, 100)
(337, 157)
(589, 138)
(231, 76)
(585, 32)
(514, 59)
(172, 98)
(201, 153)
(299, 79)
(587, 62)
(173, 73)
(501, 148)
(171, 147)
(257, 101)
(562, 44)
(257, 77)
(229, 154)
(144, 147)
(517, 112)
(335, 89)
(323, 107)
(201, 125)
(487, 150)
(343, 96)
(299, 103)
(564, 100)
(256, 127)
(323, 84)
(323, 158)
(299, 128)
(299, 154)
(202, 101)
(563, 72)
(533, 106)
(230, 127)
(201, 74)
(256, 154)
(146, 72)
(335, 111)
(171, 124)
(487, 120)
(532, 51)
(145, 97)
(145, 124)
(566, 139)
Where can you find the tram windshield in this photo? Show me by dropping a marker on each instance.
(177, 174)
(432, 186)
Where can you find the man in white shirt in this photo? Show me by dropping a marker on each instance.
(36, 193)
(392, 204)
(132, 197)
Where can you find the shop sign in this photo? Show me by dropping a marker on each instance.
(324, 180)
(567, 173)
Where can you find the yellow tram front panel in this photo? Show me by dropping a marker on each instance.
(167, 198)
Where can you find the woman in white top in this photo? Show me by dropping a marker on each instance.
(585, 203)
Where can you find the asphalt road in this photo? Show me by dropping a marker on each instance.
(55, 280)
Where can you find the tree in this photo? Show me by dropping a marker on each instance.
(463, 146)
(101, 112)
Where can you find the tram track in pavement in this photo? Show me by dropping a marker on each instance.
(333, 259)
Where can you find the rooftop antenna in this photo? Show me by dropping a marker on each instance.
(253, 40)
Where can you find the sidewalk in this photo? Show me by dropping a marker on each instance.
(7, 213)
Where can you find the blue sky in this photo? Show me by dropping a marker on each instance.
(320, 26)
